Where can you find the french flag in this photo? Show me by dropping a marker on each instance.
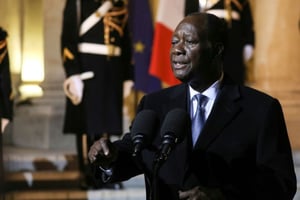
(169, 14)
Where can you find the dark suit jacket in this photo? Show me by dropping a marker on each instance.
(243, 151)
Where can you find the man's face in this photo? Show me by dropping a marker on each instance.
(191, 52)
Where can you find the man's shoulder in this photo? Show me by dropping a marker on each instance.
(168, 91)
(255, 92)
(254, 97)
(165, 96)
(246, 93)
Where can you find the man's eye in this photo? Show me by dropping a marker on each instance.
(174, 41)
(191, 41)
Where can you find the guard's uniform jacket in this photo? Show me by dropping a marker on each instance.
(238, 16)
(95, 38)
(6, 97)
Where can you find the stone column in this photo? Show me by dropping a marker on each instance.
(277, 57)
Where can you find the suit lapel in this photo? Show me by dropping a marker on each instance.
(178, 97)
(224, 110)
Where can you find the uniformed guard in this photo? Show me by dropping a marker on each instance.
(6, 100)
(6, 97)
(96, 52)
(240, 35)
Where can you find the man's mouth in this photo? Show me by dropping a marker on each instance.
(179, 65)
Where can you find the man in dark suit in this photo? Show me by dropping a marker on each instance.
(96, 52)
(243, 150)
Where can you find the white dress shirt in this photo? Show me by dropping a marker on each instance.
(211, 93)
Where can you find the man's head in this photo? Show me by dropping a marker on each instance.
(197, 47)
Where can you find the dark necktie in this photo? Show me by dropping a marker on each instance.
(199, 118)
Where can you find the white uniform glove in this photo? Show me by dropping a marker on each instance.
(4, 123)
(73, 88)
(127, 86)
(247, 52)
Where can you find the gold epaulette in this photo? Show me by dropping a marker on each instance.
(228, 8)
(237, 4)
(2, 46)
(111, 21)
(67, 55)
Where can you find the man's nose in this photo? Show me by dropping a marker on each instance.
(179, 49)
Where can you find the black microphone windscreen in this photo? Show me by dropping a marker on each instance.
(144, 124)
(176, 122)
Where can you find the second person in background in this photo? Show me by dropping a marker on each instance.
(96, 51)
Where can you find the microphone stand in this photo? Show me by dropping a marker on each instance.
(137, 156)
(161, 157)
(159, 160)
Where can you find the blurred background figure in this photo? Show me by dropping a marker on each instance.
(6, 101)
(96, 51)
(240, 34)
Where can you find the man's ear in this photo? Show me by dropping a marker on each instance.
(218, 49)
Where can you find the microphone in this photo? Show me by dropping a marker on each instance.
(173, 130)
(142, 130)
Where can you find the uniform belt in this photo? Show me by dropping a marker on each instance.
(100, 49)
(221, 13)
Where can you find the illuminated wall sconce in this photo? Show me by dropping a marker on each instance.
(29, 91)
(32, 70)
(32, 74)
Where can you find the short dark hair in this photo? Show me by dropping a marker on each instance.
(214, 27)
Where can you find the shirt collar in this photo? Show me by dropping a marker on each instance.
(211, 92)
